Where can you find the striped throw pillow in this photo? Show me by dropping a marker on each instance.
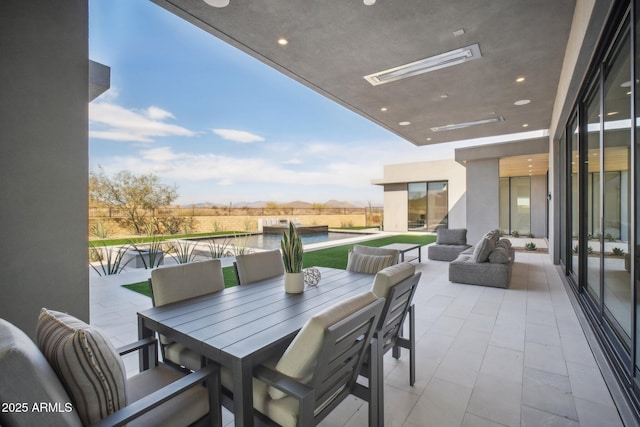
(370, 264)
(86, 363)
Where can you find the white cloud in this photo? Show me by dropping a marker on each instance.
(116, 123)
(161, 154)
(238, 135)
(155, 113)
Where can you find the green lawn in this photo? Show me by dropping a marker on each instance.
(335, 257)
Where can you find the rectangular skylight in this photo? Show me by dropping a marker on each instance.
(467, 124)
(447, 59)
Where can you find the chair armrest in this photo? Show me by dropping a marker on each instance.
(147, 403)
(282, 382)
(137, 345)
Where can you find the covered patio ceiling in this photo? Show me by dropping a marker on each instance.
(331, 45)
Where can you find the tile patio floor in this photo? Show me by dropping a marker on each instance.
(485, 356)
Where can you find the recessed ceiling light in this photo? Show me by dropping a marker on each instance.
(217, 3)
(525, 125)
(282, 41)
(369, 2)
(459, 32)
(444, 96)
(428, 139)
(522, 102)
(383, 109)
(404, 123)
(433, 63)
(612, 113)
(626, 84)
(629, 93)
(520, 79)
(467, 124)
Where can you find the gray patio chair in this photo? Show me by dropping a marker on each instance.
(397, 285)
(77, 378)
(258, 266)
(319, 368)
(179, 282)
(372, 250)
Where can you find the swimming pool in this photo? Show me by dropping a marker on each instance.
(272, 241)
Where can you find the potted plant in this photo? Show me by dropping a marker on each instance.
(291, 246)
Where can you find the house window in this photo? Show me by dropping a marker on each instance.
(515, 205)
(428, 205)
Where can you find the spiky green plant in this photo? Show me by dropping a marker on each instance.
(219, 248)
(150, 251)
(530, 246)
(183, 251)
(292, 252)
(110, 258)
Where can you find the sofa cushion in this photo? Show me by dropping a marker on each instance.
(504, 243)
(499, 255)
(493, 235)
(299, 359)
(483, 249)
(452, 236)
(85, 361)
(27, 378)
(370, 264)
(389, 277)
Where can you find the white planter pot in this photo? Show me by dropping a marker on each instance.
(293, 283)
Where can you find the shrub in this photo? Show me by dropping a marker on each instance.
(617, 251)
(530, 246)
(515, 233)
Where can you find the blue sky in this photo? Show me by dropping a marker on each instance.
(222, 126)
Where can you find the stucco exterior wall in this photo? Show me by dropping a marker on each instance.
(43, 159)
(482, 198)
(396, 178)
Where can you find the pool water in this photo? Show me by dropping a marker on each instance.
(272, 241)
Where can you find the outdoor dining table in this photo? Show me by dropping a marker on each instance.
(243, 326)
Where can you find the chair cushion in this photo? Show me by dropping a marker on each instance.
(184, 409)
(299, 359)
(452, 236)
(369, 264)
(284, 411)
(389, 277)
(26, 377)
(183, 281)
(86, 362)
(259, 265)
(483, 249)
(182, 356)
(499, 255)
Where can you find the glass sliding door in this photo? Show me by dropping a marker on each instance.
(437, 205)
(616, 194)
(504, 210)
(417, 206)
(428, 205)
(593, 216)
(573, 196)
(521, 205)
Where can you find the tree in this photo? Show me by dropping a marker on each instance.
(134, 195)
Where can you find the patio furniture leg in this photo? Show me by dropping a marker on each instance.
(146, 358)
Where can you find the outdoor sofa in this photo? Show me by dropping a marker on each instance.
(488, 263)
